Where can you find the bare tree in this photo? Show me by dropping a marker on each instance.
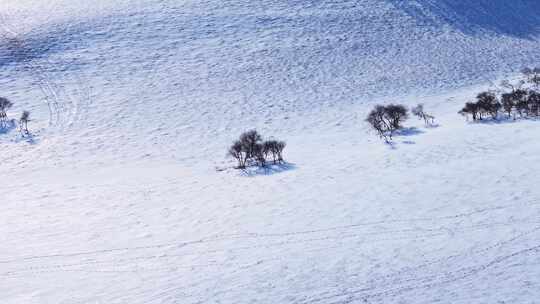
(508, 103)
(249, 140)
(396, 114)
(534, 103)
(251, 150)
(387, 119)
(280, 146)
(419, 112)
(488, 104)
(376, 118)
(23, 122)
(237, 151)
(259, 155)
(472, 109)
(5, 105)
(274, 148)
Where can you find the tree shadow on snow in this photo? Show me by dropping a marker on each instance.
(404, 132)
(8, 127)
(269, 169)
(28, 138)
(502, 121)
(408, 132)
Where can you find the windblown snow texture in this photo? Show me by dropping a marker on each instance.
(116, 198)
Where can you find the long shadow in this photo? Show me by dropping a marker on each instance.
(518, 18)
(404, 132)
(8, 127)
(408, 131)
(268, 169)
(28, 138)
(11, 126)
(503, 120)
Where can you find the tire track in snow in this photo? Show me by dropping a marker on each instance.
(456, 275)
(217, 238)
(398, 235)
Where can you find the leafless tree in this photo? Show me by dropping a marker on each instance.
(508, 103)
(419, 112)
(376, 118)
(237, 151)
(472, 109)
(5, 105)
(274, 148)
(534, 103)
(488, 104)
(387, 119)
(251, 150)
(521, 104)
(396, 114)
(249, 140)
(279, 147)
(259, 155)
(23, 122)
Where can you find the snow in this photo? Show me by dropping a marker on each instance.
(116, 198)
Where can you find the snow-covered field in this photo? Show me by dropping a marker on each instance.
(124, 193)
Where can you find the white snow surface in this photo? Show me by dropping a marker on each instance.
(124, 193)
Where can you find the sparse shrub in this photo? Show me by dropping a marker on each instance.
(5, 105)
(23, 122)
(419, 112)
(251, 150)
(387, 119)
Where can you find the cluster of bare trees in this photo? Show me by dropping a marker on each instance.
(251, 150)
(516, 100)
(5, 105)
(486, 105)
(387, 119)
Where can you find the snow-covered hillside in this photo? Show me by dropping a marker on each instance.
(116, 198)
